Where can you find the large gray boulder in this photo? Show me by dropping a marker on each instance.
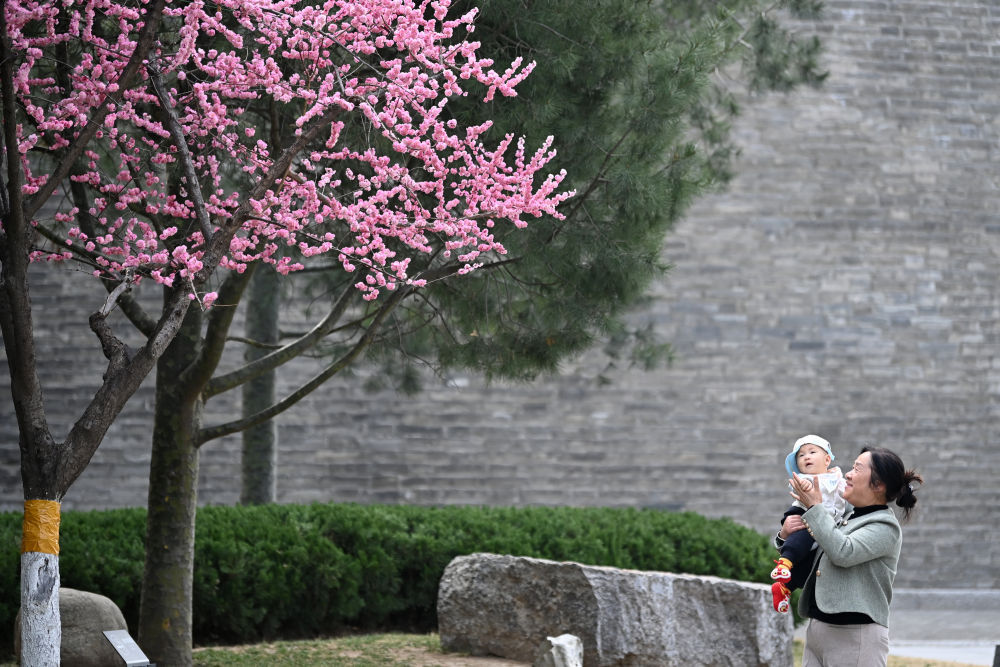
(84, 616)
(506, 606)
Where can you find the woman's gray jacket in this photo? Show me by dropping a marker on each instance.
(857, 563)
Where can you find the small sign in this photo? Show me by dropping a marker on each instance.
(127, 648)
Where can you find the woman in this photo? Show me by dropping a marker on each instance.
(847, 594)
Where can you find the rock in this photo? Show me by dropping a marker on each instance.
(85, 616)
(561, 651)
(506, 606)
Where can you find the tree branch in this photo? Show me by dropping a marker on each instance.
(120, 383)
(219, 244)
(114, 294)
(88, 431)
(130, 307)
(180, 141)
(283, 354)
(275, 359)
(220, 319)
(318, 380)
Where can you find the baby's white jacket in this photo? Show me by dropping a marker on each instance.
(831, 485)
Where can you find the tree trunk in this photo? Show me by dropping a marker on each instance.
(260, 443)
(165, 606)
(41, 626)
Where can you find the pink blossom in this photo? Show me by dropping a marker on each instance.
(389, 65)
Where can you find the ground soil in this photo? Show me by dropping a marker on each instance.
(425, 658)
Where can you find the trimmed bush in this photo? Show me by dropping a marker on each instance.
(10, 582)
(306, 570)
(267, 572)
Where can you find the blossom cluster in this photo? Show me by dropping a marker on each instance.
(416, 180)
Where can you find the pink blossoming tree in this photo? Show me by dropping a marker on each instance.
(140, 139)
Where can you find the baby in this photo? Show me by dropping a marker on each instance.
(811, 456)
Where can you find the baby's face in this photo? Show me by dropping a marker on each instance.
(812, 460)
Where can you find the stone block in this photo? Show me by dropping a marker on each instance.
(561, 651)
(490, 604)
(85, 616)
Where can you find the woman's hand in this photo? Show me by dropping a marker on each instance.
(792, 523)
(805, 491)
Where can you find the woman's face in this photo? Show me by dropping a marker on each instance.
(859, 491)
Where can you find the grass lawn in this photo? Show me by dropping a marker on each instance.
(391, 650)
(394, 650)
(388, 650)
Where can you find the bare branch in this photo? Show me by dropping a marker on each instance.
(275, 359)
(283, 354)
(113, 295)
(130, 307)
(220, 319)
(317, 381)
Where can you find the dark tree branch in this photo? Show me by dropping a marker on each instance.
(273, 360)
(317, 381)
(180, 141)
(219, 244)
(130, 307)
(114, 349)
(121, 382)
(285, 353)
(220, 319)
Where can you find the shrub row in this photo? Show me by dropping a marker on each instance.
(307, 570)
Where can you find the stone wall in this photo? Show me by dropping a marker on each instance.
(846, 284)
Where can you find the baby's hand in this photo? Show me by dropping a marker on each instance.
(805, 491)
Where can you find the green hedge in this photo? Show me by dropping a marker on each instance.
(306, 570)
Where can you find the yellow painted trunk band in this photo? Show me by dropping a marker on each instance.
(40, 533)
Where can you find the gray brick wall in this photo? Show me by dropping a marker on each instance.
(845, 284)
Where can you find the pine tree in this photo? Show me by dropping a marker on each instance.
(637, 94)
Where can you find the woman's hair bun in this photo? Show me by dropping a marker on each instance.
(899, 483)
(911, 481)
